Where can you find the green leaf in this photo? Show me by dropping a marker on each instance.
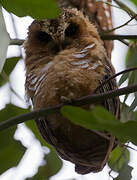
(119, 157)
(131, 61)
(80, 117)
(37, 9)
(52, 166)
(131, 56)
(125, 173)
(7, 69)
(11, 151)
(101, 119)
(135, 2)
(123, 78)
(32, 126)
(127, 114)
(4, 40)
(53, 162)
(134, 104)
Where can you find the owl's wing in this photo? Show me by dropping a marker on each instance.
(90, 160)
(113, 105)
(47, 134)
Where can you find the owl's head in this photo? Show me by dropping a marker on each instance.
(70, 30)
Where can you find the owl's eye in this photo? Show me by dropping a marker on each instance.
(44, 37)
(71, 30)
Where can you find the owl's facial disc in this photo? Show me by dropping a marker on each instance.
(54, 35)
(71, 33)
(71, 30)
(43, 37)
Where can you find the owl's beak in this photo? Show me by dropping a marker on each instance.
(59, 41)
(60, 45)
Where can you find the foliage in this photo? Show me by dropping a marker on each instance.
(7, 69)
(118, 162)
(53, 162)
(125, 173)
(118, 158)
(131, 76)
(36, 9)
(134, 1)
(50, 168)
(11, 150)
(101, 119)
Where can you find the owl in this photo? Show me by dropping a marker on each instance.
(66, 60)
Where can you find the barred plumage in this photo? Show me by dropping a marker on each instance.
(66, 59)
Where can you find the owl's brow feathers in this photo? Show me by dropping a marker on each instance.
(57, 26)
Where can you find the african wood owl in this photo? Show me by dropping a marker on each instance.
(65, 60)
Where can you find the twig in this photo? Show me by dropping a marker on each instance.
(130, 12)
(117, 37)
(124, 145)
(16, 42)
(6, 78)
(93, 98)
(114, 76)
(16, 94)
(111, 30)
(124, 42)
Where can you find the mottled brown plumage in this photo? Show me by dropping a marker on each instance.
(65, 59)
(98, 12)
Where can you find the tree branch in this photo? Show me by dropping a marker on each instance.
(117, 37)
(124, 42)
(114, 76)
(111, 30)
(103, 36)
(16, 42)
(91, 99)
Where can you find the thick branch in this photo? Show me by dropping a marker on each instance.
(103, 36)
(93, 98)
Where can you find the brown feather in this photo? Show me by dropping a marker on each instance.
(65, 59)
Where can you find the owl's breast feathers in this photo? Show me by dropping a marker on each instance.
(70, 74)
